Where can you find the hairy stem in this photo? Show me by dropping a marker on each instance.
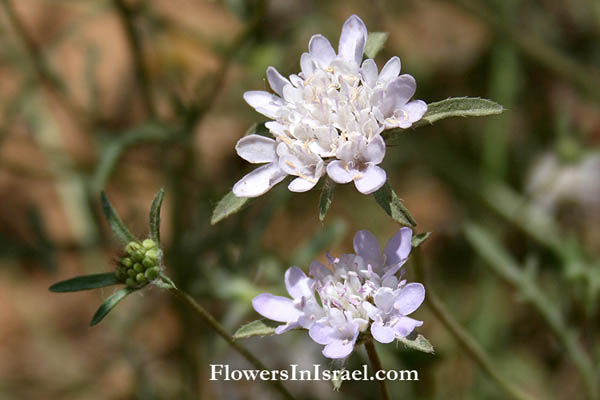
(472, 348)
(376, 365)
(217, 327)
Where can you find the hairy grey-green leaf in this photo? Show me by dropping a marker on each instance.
(326, 198)
(85, 282)
(155, 216)
(418, 240)
(392, 205)
(109, 304)
(229, 205)
(375, 43)
(260, 327)
(417, 342)
(452, 107)
(115, 222)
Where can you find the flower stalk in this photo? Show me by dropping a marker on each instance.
(376, 365)
(221, 331)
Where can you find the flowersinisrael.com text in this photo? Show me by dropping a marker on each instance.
(222, 372)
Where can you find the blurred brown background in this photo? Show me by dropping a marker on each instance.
(131, 96)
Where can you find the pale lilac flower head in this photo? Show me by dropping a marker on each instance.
(328, 118)
(357, 293)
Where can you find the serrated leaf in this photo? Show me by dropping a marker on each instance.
(417, 342)
(260, 327)
(115, 222)
(452, 107)
(109, 304)
(375, 43)
(85, 282)
(229, 205)
(418, 240)
(326, 198)
(392, 205)
(155, 216)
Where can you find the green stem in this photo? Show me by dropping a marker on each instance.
(207, 317)
(126, 14)
(477, 354)
(376, 365)
(507, 268)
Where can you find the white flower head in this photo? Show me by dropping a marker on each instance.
(356, 293)
(328, 118)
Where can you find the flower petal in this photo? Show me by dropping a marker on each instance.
(410, 298)
(369, 72)
(276, 80)
(264, 102)
(406, 325)
(286, 327)
(384, 299)
(398, 247)
(297, 283)
(300, 185)
(382, 333)
(319, 271)
(321, 333)
(371, 180)
(390, 70)
(338, 349)
(307, 65)
(415, 110)
(397, 94)
(375, 151)
(366, 246)
(353, 40)
(256, 149)
(259, 181)
(276, 308)
(338, 172)
(321, 51)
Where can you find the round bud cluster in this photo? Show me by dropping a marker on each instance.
(141, 264)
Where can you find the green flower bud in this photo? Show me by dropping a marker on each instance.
(137, 267)
(131, 272)
(126, 262)
(148, 263)
(132, 247)
(149, 243)
(137, 256)
(130, 282)
(140, 278)
(153, 254)
(152, 273)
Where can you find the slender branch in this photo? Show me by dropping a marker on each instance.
(376, 365)
(126, 15)
(45, 76)
(214, 324)
(507, 268)
(477, 354)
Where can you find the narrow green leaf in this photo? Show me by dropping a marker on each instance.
(229, 205)
(418, 240)
(260, 327)
(375, 42)
(392, 205)
(116, 224)
(417, 343)
(155, 216)
(85, 282)
(326, 198)
(109, 304)
(452, 107)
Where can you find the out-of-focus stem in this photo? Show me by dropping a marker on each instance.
(220, 330)
(126, 16)
(376, 365)
(505, 266)
(472, 348)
